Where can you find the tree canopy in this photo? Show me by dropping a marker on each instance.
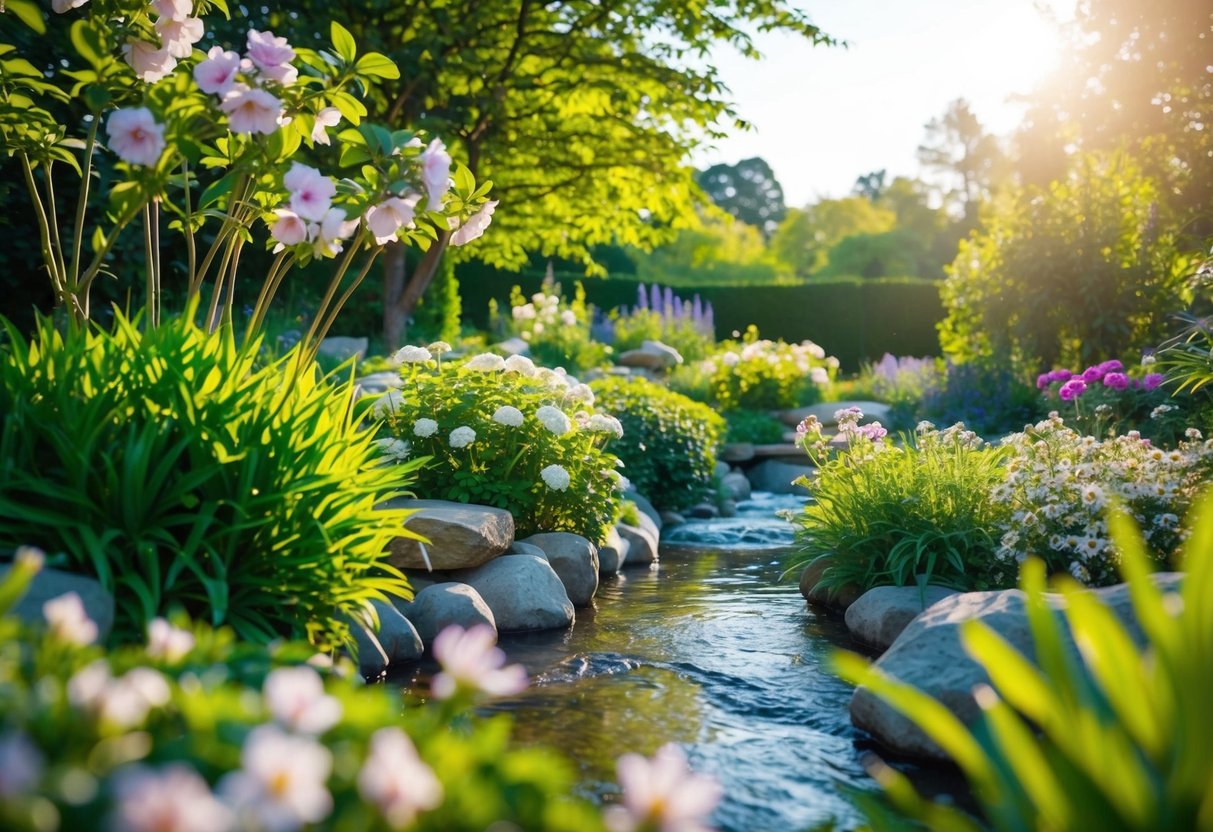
(748, 190)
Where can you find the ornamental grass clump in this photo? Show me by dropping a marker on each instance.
(183, 475)
(760, 374)
(918, 513)
(1060, 483)
(506, 433)
(669, 442)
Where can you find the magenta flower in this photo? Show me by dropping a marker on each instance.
(1092, 374)
(1044, 380)
(1072, 389)
(1112, 366)
(1062, 375)
(1152, 381)
(1117, 381)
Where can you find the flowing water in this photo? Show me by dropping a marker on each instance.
(712, 651)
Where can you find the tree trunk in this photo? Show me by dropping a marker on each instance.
(402, 291)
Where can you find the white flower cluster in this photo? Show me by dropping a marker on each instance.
(412, 355)
(462, 436)
(554, 419)
(805, 358)
(396, 450)
(509, 416)
(556, 477)
(1060, 483)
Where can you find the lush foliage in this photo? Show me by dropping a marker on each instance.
(669, 442)
(183, 475)
(1059, 484)
(883, 514)
(1084, 268)
(198, 731)
(988, 396)
(756, 426)
(558, 331)
(1112, 740)
(760, 374)
(502, 432)
(686, 325)
(1105, 399)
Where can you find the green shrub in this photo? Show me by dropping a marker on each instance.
(505, 433)
(921, 513)
(558, 331)
(198, 731)
(756, 426)
(669, 442)
(768, 375)
(182, 475)
(1111, 738)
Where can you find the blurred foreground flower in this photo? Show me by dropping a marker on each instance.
(471, 661)
(662, 794)
(395, 779)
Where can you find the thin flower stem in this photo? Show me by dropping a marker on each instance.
(239, 192)
(191, 252)
(98, 260)
(90, 147)
(53, 218)
(44, 234)
(150, 267)
(340, 304)
(217, 292)
(156, 251)
(278, 270)
(228, 313)
(309, 343)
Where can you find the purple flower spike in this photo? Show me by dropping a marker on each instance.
(642, 299)
(1072, 389)
(655, 298)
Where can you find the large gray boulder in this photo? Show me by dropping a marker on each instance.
(49, 584)
(439, 606)
(824, 411)
(879, 615)
(524, 593)
(342, 348)
(575, 561)
(652, 355)
(929, 655)
(461, 536)
(519, 547)
(389, 641)
(612, 554)
(376, 383)
(645, 507)
(777, 477)
(736, 486)
(642, 542)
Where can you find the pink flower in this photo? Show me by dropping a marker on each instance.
(1072, 389)
(311, 191)
(173, 799)
(1117, 381)
(61, 6)
(217, 73)
(1044, 380)
(662, 793)
(288, 230)
(386, 218)
(1092, 374)
(272, 56)
(328, 117)
(173, 9)
(395, 779)
(251, 110)
(1112, 366)
(282, 782)
(476, 225)
(179, 36)
(135, 136)
(435, 173)
(471, 661)
(327, 235)
(149, 62)
(1152, 381)
(296, 698)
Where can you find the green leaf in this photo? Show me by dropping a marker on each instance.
(376, 65)
(343, 42)
(28, 13)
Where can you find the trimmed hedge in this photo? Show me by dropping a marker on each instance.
(855, 319)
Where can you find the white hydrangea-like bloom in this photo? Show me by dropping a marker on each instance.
(439, 348)
(555, 477)
(818, 375)
(413, 355)
(568, 318)
(398, 449)
(520, 364)
(425, 428)
(462, 436)
(486, 362)
(554, 419)
(602, 423)
(509, 416)
(580, 394)
(730, 359)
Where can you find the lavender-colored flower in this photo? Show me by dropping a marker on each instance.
(667, 302)
(875, 431)
(21, 765)
(642, 299)
(471, 661)
(655, 298)
(1116, 381)
(1072, 389)
(1152, 381)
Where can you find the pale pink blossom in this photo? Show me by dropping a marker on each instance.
(173, 9)
(179, 36)
(476, 225)
(395, 779)
(386, 218)
(68, 620)
(327, 234)
(662, 793)
(61, 6)
(281, 785)
(288, 230)
(435, 173)
(173, 799)
(217, 73)
(124, 701)
(328, 117)
(151, 63)
(311, 191)
(272, 56)
(471, 661)
(251, 110)
(164, 641)
(135, 136)
(297, 701)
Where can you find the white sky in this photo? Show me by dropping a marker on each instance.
(823, 116)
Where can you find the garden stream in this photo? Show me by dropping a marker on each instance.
(710, 650)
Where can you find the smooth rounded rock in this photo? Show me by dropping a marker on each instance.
(613, 553)
(703, 511)
(835, 600)
(49, 584)
(461, 536)
(929, 655)
(879, 615)
(642, 544)
(519, 547)
(736, 486)
(671, 518)
(778, 477)
(524, 593)
(575, 561)
(386, 640)
(646, 507)
(439, 606)
(342, 348)
(737, 452)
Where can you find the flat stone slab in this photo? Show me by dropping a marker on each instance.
(737, 452)
(462, 536)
